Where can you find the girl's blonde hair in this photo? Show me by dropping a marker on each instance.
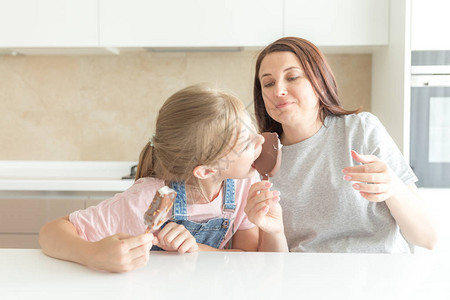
(197, 125)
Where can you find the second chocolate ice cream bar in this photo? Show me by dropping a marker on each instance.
(269, 161)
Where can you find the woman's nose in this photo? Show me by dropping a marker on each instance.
(281, 90)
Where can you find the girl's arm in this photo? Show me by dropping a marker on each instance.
(117, 253)
(243, 240)
(265, 242)
(263, 209)
(377, 183)
(175, 237)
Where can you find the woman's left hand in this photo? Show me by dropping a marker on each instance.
(374, 178)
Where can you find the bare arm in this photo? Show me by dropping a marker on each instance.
(376, 182)
(243, 240)
(412, 216)
(117, 253)
(175, 237)
(59, 239)
(264, 211)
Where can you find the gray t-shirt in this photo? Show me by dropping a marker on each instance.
(321, 210)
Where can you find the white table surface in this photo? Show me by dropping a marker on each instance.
(29, 274)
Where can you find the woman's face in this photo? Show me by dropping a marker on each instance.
(288, 95)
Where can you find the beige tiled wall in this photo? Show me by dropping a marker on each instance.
(104, 107)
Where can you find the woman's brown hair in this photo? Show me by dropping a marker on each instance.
(318, 73)
(197, 125)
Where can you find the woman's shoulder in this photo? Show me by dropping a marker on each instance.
(362, 117)
(365, 121)
(357, 126)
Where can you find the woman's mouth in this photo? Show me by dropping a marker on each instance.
(284, 104)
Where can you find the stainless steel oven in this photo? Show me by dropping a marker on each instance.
(430, 118)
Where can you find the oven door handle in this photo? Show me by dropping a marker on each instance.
(430, 80)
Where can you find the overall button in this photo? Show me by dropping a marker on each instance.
(225, 224)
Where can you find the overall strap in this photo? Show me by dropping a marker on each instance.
(180, 205)
(228, 195)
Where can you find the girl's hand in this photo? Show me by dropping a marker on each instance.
(263, 208)
(375, 180)
(175, 237)
(121, 252)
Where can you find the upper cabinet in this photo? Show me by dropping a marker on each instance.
(338, 23)
(430, 25)
(194, 23)
(48, 23)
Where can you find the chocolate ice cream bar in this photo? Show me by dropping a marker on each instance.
(160, 206)
(269, 161)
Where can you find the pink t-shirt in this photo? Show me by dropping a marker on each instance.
(125, 211)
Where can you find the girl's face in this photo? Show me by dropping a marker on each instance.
(238, 162)
(288, 95)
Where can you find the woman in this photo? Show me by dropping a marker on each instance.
(333, 199)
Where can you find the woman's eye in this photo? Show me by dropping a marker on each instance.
(269, 84)
(292, 78)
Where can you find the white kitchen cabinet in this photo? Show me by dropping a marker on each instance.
(48, 23)
(430, 25)
(21, 218)
(195, 23)
(338, 23)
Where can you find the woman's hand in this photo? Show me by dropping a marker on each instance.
(378, 183)
(375, 181)
(121, 252)
(263, 208)
(175, 237)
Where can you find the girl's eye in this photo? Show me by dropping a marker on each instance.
(269, 84)
(292, 78)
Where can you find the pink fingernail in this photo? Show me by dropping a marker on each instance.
(348, 177)
(356, 186)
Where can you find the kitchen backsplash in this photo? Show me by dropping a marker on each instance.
(103, 108)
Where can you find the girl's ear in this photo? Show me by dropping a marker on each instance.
(203, 172)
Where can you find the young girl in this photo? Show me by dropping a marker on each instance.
(203, 138)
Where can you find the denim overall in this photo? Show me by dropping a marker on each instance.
(210, 233)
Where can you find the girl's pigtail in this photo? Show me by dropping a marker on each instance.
(145, 164)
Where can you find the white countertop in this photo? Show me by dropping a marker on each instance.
(65, 176)
(97, 185)
(29, 274)
(76, 176)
